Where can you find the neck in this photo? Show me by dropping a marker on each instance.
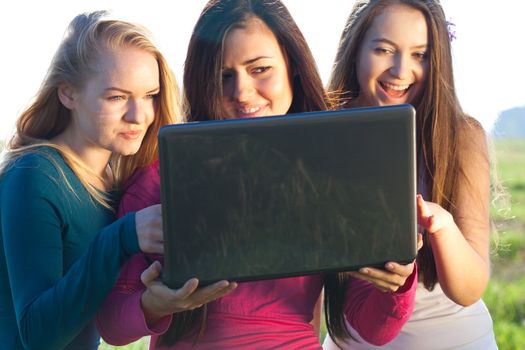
(93, 157)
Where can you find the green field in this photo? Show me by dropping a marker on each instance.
(505, 296)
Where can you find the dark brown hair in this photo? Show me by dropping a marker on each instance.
(203, 66)
(203, 83)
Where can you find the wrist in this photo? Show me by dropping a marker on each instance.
(152, 313)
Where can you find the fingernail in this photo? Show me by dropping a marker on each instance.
(389, 266)
(365, 271)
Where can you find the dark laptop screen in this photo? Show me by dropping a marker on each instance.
(290, 195)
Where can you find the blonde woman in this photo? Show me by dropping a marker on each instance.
(93, 122)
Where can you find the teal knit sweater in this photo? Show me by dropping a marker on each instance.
(60, 254)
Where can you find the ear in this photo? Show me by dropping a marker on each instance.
(66, 95)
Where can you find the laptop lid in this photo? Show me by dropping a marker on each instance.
(283, 196)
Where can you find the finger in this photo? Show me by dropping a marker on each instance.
(381, 285)
(151, 273)
(385, 278)
(222, 292)
(423, 206)
(157, 248)
(419, 241)
(423, 212)
(398, 269)
(187, 289)
(211, 292)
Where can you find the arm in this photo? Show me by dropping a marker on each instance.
(51, 305)
(379, 316)
(460, 242)
(140, 304)
(121, 320)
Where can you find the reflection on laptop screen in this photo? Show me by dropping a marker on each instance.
(283, 196)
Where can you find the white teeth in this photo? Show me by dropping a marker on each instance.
(249, 110)
(396, 87)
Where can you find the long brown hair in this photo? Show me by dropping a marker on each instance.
(203, 82)
(439, 114)
(203, 66)
(74, 62)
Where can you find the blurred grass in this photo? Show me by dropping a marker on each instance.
(142, 344)
(505, 295)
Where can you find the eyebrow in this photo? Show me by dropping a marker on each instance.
(390, 42)
(256, 59)
(113, 88)
(252, 60)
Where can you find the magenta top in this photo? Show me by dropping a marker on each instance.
(268, 314)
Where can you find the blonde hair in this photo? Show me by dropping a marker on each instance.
(76, 59)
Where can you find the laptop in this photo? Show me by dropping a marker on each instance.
(283, 196)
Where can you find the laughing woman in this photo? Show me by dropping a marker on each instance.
(398, 51)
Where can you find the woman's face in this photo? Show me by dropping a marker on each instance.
(114, 109)
(255, 75)
(392, 63)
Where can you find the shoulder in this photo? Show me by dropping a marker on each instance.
(35, 181)
(42, 165)
(142, 189)
(472, 138)
(145, 176)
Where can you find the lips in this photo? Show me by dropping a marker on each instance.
(131, 135)
(249, 111)
(393, 90)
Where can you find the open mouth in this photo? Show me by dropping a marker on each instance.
(248, 110)
(395, 91)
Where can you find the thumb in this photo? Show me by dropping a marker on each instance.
(151, 273)
(423, 212)
(419, 241)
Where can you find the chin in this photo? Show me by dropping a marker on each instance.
(127, 151)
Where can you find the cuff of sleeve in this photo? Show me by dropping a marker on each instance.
(410, 283)
(401, 303)
(159, 327)
(128, 235)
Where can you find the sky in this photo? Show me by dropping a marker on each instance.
(488, 50)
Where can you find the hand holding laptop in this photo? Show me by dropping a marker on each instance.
(158, 300)
(392, 277)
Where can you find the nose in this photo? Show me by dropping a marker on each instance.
(243, 87)
(137, 111)
(401, 67)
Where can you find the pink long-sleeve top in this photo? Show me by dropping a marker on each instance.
(268, 314)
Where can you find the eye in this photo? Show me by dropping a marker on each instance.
(117, 98)
(261, 69)
(384, 51)
(421, 56)
(152, 96)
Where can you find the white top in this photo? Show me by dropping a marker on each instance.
(436, 323)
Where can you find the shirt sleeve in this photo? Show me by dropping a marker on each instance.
(379, 316)
(121, 320)
(51, 305)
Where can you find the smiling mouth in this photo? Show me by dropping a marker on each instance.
(395, 91)
(248, 110)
